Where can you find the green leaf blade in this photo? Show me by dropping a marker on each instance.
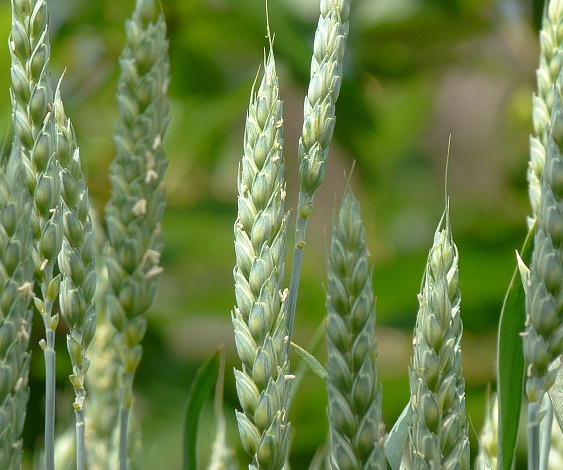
(510, 373)
(200, 391)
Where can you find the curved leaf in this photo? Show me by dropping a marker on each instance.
(510, 385)
(201, 389)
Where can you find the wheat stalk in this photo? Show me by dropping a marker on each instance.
(551, 60)
(318, 124)
(260, 246)
(438, 432)
(134, 212)
(16, 291)
(354, 392)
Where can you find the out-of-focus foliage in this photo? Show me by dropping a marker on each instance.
(416, 71)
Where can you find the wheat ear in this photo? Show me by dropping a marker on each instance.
(32, 102)
(77, 265)
(543, 336)
(551, 61)
(16, 291)
(134, 212)
(260, 246)
(318, 124)
(354, 393)
(438, 432)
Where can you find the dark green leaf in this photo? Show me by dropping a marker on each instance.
(510, 375)
(201, 389)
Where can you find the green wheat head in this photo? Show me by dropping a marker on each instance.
(438, 433)
(354, 393)
(16, 291)
(551, 60)
(134, 212)
(260, 246)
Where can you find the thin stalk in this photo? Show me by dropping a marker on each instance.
(298, 254)
(126, 403)
(533, 436)
(80, 432)
(545, 433)
(123, 438)
(50, 380)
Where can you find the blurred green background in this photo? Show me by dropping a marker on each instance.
(416, 72)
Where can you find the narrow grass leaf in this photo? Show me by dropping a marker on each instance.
(202, 387)
(311, 361)
(397, 439)
(510, 384)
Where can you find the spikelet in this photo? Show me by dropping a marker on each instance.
(260, 247)
(354, 392)
(551, 61)
(488, 437)
(16, 291)
(438, 433)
